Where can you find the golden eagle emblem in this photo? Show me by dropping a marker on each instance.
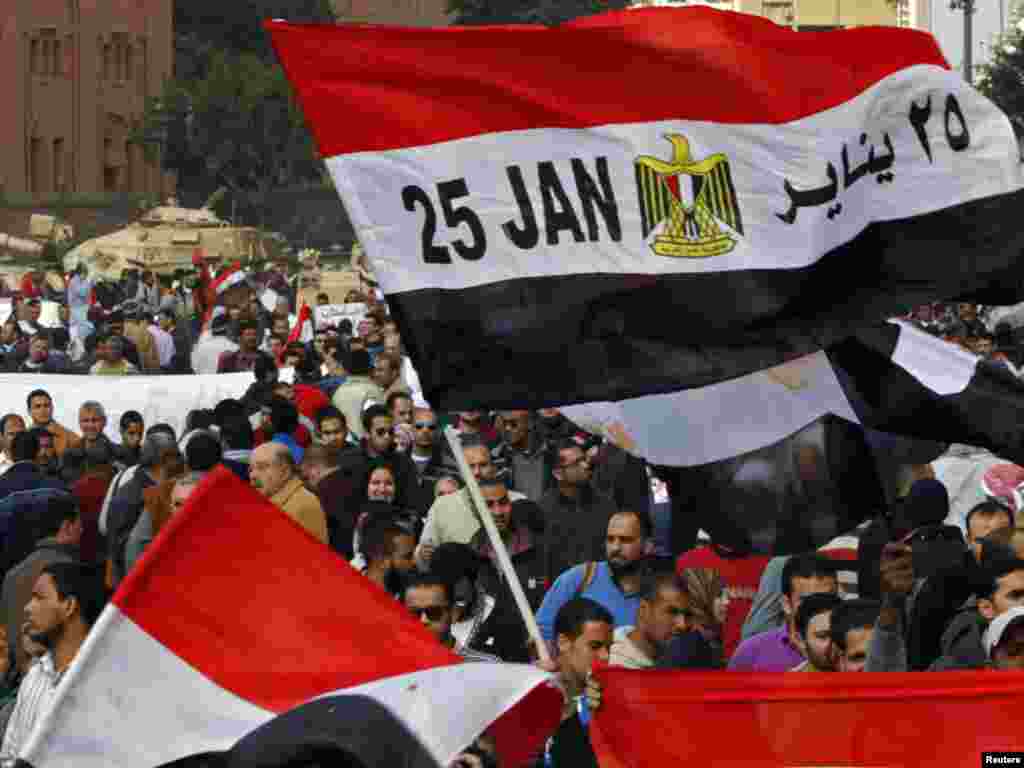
(689, 213)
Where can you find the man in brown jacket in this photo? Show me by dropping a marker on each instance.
(273, 473)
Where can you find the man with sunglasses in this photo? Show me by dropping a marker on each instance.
(427, 452)
(526, 455)
(428, 597)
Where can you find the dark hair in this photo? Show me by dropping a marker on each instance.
(236, 432)
(662, 579)
(264, 365)
(82, 582)
(377, 539)
(228, 410)
(358, 362)
(859, 613)
(3, 421)
(329, 412)
(200, 418)
(203, 452)
(642, 516)
(577, 612)
(998, 566)
(493, 482)
(473, 441)
(988, 508)
(130, 417)
(375, 411)
(169, 314)
(36, 393)
(284, 416)
(247, 325)
(429, 580)
(60, 507)
(25, 446)
(394, 397)
(455, 561)
(372, 466)
(811, 606)
(809, 565)
(321, 455)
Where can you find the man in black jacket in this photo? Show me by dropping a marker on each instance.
(519, 525)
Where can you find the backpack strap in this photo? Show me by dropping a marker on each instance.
(589, 571)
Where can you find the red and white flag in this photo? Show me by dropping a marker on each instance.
(303, 328)
(235, 615)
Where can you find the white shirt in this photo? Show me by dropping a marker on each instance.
(35, 697)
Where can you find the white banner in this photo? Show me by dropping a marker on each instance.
(333, 314)
(165, 398)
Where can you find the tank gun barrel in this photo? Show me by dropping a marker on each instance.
(20, 245)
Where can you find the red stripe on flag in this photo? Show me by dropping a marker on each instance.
(413, 87)
(853, 719)
(260, 607)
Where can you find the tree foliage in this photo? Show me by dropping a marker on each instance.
(228, 118)
(1002, 79)
(548, 12)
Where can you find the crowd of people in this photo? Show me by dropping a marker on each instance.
(353, 454)
(993, 333)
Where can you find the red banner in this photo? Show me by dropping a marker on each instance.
(727, 719)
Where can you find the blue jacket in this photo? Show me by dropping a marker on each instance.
(602, 589)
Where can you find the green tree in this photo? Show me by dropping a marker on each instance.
(547, 12)
(228, 118)
(1002, 79)
(237, 126)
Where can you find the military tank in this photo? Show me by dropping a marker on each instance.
(164, 239)
(20, 255)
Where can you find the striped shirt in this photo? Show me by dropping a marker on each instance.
(35, 697)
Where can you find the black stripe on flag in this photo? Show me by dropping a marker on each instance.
(347, 731)
(987, 412)
(548, 341)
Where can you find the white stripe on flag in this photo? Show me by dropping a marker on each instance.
(129, 702)
(698, 426)
(944, 368)
(392, 194)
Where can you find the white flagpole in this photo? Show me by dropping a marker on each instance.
(477, 500)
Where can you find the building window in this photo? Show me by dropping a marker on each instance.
(57, 63)
(33, 56)
(35, 167)
(58, 165)
(107, 54)
(129, 61)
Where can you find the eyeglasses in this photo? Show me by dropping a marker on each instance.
(425, 425)
(432, 612)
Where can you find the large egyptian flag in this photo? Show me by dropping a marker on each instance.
(236, 616)
(653, 200)
(839, 719)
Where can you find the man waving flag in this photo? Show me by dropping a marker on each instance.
(653, 200)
